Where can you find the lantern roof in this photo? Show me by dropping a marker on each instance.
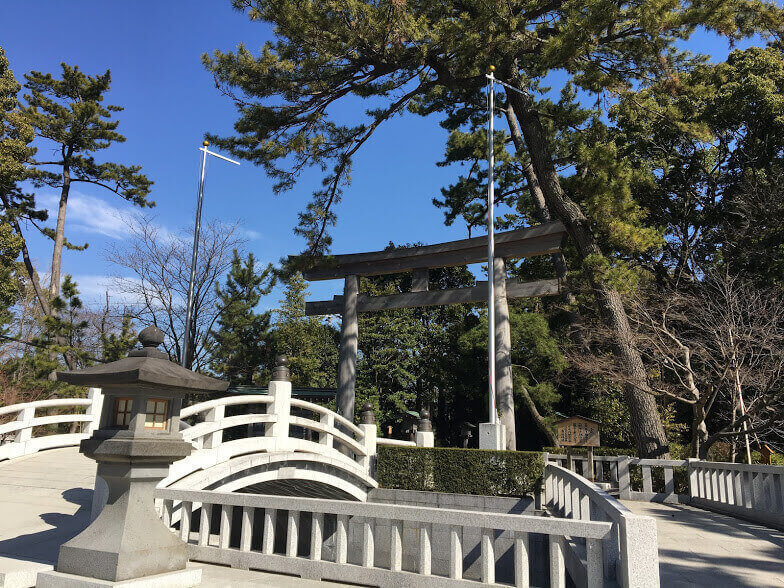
(147, 366)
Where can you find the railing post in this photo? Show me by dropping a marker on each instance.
(694, 487)
(94, 410)
(26, 415)
(639, 551)
(545, 484)
(327, 439)
(424, 436)
(624, 480)
(214, 415)
(280, 392)
(367, 424)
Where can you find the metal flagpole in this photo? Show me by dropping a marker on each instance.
(491, 244)
(196, 231)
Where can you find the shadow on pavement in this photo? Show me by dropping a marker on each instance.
(44, 545)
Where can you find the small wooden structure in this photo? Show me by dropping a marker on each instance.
(579, 431)
(539, 240)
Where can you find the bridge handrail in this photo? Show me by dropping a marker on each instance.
(205, 428)
(15, 408)
(395, 442)
(371, 520)
(200, 407)
(629, 553)
(23, 441)
(298, 403)
(336, 434)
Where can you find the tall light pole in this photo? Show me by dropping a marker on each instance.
(196, 231)
(491, 244)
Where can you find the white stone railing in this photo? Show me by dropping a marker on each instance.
(754, 492)
(655, 478)
(18, 438)
(628, 553)
(363, 543)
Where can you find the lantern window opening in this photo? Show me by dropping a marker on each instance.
(156, 413)
(122, 411)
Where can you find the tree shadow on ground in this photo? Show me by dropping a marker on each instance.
(43, 546)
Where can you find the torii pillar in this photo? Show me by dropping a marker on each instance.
(347, 356)
(504, 382)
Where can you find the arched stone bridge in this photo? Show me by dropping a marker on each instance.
(266, 444)
(268, 453)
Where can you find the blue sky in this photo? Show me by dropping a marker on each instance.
(153, 49)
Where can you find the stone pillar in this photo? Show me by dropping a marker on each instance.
(492, 436)
(280, 392)
(367, 424)
(424, 436)
(347, 358)
(504, 392)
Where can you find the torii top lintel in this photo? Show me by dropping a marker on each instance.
(529, 242)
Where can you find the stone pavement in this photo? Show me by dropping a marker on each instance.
(701, 548)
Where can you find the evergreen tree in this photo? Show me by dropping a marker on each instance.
(15, 153)
(240, 345)
(65, 330)
(116, 346)
(69, 114)
(310, 344)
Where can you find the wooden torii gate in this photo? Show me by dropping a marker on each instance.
(539, 240)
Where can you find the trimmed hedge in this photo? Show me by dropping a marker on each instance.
(460, 471)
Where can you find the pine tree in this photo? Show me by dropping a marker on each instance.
(310, 344)
(69, 114)
(16, 136)
(240, 345)
(117, 345)
(65, 329)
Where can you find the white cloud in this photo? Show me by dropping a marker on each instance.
(249, 233)
(92, 289)
(91, 215)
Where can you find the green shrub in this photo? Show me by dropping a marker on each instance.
(460, 471)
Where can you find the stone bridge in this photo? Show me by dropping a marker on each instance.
(286, 486)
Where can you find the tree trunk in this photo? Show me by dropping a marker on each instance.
(646, 423)
(539, 421)
(699, 430)
(59, 234)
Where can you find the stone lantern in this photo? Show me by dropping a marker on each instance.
(136, 442)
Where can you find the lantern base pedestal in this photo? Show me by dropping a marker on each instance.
(492, 436)
(179, 579)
